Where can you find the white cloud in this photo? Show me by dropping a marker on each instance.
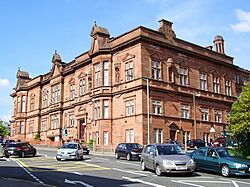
(244, 18)
(4, 82)
(5, 118)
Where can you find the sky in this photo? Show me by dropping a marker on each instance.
(31, 30)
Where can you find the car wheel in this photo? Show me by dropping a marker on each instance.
(225, 171)
(116, 155)
(87, 153)
(7, 156)
(189, 174)
(34, 154)
(58, 159)
(143, 167)
(128, 157)
(158, 170)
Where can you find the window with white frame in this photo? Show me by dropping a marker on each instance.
(203, 81)
(82, 87)
(71, 120)
(129, 71)
(32, 103)
(22, 127)
(217, 116)
(97, 110)
(204, 114)
(97, 75)
(129, 133)
(44, 125)
(55, 93)
(129, 107)
(158, 135)
(105, 73)
(237, 79)
(72, 91)
(31, 125)
(228, 87)
(156, 70)
(54, 121)
(183, 76)
(19, 104)
(97, 138)
(23, 103)
(105, 138)
(44, 98)
(216, 84)
(156, 107)
(105, 109)
(184, 111)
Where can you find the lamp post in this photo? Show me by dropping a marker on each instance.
(148, 108)
(194, 104)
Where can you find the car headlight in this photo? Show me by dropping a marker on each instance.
(168, 163)
(59, 152)
(237, 165)
(190, 162)
(133, 153)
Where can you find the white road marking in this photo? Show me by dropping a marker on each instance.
(220, 182)
(143, 182)
(102, 159)
(235, 184)
(77, 173)
(128, 163)
(236, 181)
(126, 171)
(190, 184)
(33, 176)
(77, 182)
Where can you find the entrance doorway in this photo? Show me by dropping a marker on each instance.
(82, 129)
(172, 134)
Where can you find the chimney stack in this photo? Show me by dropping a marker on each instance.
(166, 28)
(219, 44)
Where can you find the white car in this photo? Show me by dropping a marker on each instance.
(70, 150)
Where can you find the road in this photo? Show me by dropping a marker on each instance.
(105, 171)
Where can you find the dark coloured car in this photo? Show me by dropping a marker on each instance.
(128, 151)
(19, 149)
(222, 160)
(85, 149)
(195, 143)
(220, 142)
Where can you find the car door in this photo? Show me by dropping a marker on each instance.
(29, 149)
(80, 150)
(212, 161)
(200, 157)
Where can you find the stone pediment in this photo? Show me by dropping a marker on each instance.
(128, 56)
(156, 56)
(71, 80)
(82, 75)
(173, 125)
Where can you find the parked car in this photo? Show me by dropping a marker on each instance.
(85, 149)
(166, 158)
(19, 149)
(128, 151)
(70, 150)
(220, 142)
(169, 141)
(195, 143)
(222, 160)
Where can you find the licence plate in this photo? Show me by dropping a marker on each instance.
(11, 152)
(181, 168)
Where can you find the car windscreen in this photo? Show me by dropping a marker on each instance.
(12, 145)
(169, 150)
(69, 146)
(222, 152)
(135, 146)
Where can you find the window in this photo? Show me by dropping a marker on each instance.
(105, 109)
(44, 125)
(129, 107)
(23, 103)
(105, 74)
(228, 87)
(97, 75)
(129, 135)
(54, 121)
(156, 107)
(72, 92)
(71, 120)
(204, 114)
(183, 76)
(184, 111)
(216, 84)
(32, 103)
(22, 127)
(44, 98)
(217, 116)
(55, 94)
(105, 138)
(156, 70)
(97, 138)
(237, 79)
(158, 136)
(203, 81)
(31, 127)
(129, 71)
(97, 110)
(19, 104)
(82, 87)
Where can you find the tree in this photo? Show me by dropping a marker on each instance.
(3, 130)
(240, 120)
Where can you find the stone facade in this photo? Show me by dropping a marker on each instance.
(101, 95)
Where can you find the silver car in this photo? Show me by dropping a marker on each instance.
(166, 158)
(70, 150)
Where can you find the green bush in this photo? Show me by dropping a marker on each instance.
(90, 143)
(37, 136)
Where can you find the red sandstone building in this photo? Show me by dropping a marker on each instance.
(101, 95)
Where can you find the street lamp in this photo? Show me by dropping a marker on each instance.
(148, 108)
(194, 104)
